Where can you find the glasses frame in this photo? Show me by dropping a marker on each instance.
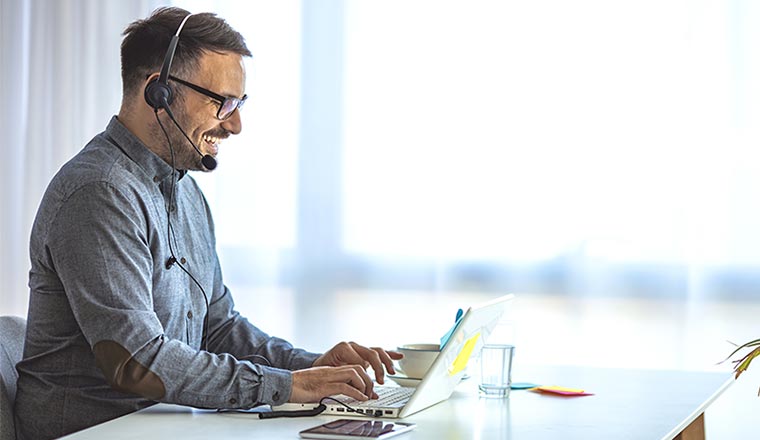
(223, 100)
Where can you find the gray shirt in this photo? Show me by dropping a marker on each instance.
(111, 329)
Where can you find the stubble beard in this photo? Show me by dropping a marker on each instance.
(184, 155)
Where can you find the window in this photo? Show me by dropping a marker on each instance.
(564, 142)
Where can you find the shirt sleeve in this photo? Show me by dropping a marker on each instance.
(99, 243)
(229, 332)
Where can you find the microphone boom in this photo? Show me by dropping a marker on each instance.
(208, 161)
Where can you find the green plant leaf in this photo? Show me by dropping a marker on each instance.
(742, 364)
(754, 343)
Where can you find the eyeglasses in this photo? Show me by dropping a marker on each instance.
(227, 104)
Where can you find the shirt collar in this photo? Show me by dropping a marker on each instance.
(153, 165)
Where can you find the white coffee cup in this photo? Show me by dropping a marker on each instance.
(417, 359)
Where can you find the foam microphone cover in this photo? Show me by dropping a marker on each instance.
(209, 162)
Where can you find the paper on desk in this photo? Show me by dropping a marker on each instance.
(562, 391)
(464, 355)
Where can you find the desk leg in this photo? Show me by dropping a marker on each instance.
(695, 430)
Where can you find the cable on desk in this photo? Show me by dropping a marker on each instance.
(296, 413)
(314, 411)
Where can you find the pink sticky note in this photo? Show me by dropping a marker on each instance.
(562, 391)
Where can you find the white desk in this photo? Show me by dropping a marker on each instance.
(628, 404)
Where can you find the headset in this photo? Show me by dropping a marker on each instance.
(159, 94)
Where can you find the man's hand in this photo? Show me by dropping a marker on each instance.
(351, 353)
(314, 383)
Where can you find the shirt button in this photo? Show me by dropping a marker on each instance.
(172, 208)
(276, 396)
(182, 260)
(156, 179)
(233, 401)
(190, 314)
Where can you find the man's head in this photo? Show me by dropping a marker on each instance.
(207, 79)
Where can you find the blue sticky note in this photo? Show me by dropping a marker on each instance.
(523, 385)
(449, 333)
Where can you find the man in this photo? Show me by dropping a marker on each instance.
(127, 302)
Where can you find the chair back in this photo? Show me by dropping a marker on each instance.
(12, 333)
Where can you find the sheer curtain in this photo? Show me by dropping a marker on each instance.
(59, 86)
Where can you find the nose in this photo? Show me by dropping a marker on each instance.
(233, 124)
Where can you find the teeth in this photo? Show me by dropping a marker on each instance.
(211, 139)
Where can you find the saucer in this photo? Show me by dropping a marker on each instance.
(404, 381)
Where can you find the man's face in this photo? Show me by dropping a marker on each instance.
(223, 74)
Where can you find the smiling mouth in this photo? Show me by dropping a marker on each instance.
(212, 142)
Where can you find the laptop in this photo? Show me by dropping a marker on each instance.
(438, 384)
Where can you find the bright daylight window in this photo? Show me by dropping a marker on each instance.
(510, 133)
(527, 131)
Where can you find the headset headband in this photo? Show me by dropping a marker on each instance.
(164, 76)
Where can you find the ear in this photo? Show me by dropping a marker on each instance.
(150, 78)
(158, 95)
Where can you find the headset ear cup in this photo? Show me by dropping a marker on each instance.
(156, 92)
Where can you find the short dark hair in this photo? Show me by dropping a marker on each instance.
(146, 41)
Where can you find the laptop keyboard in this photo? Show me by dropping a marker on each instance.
(389, 397)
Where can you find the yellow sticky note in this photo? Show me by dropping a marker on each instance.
(464, 355)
